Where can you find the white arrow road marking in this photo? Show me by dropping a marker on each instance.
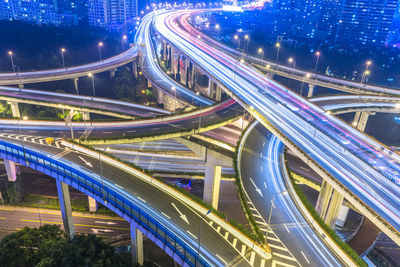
(183, 216)
(86, 162)
(257, 189)
(96, 231)
(105, 222)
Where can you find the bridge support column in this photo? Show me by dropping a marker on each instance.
(218, 93)
(311, 88)
(164, 49)
(361, 119)
(134, 69)
(65, 204)
(92, 204)
(183, 72)
(21, 85)
(210, 87)
(112, 74)
(136, 245)
(85, 115)
(76, 85)
(14, 109)
(329, 204)
(193, 77)
(212, 179)
(11, 170)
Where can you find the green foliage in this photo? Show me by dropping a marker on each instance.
(13, 192)
(48, 246)
(124, 85)
(343, 245)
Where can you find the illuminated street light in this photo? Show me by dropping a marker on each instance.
(291, 60)
(124, 38)
(318, 54)
(100, 45)
(278, 46)
(236, 37)
(247, 40)
(62, 56)
(261, 51)
(10, 53)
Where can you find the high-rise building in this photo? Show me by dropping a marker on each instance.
(37, 11)
(111, 13)
(366, 22)
(297, 18)
(329, 17)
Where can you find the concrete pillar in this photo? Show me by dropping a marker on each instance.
(92, 204)
(164, 45)
(212, 179)
(10, 170)
(361, 119)
(149, 84)
(21, 85)
(134, 69)
(342, 216)
(160, 96)
(210, 89)
(311, 88)
(218, 93)
(85, 115)
(172, 58)
(193, 76)
(65, 204)
(183, 71)
(14, 109)
(136, 245)
(112, 74)
(329, 204)
(76, 85)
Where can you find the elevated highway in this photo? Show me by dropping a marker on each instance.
(301, 75)
(346, 158)
(74, 72)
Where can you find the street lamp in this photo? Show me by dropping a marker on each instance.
(10, 53)
(246, 38)
(236, 37)
(100, 45)
(291, 60)
(62, 56)
(318, 54)
(278, 46)
(272, 204)
(261, 51)
(201, 222)
(93, 88)
(218, 28)
(124, 38)
(366, 71)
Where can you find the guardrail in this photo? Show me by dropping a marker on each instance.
(105, 194)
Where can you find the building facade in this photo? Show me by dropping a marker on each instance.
(366, 22)
(111, 13)
(36, 11)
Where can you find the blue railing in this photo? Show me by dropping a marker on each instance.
(102, 193)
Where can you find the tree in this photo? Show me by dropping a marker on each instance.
(49, 246)
(124, 86)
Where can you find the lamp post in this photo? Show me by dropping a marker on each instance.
(236, 37)
(10, 53)
(91, 76)
(318, 54)
(366, 71)
(174, 89)
(278, 47)
(100, 45)
(247, 40)
(261, 51)
(291, 60)
(218, 29)
(199, 244)
(62, 57)
(124, 38)
(272, 204)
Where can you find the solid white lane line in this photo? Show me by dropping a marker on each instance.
(195, 237)
(305, 257)
(165, 215)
